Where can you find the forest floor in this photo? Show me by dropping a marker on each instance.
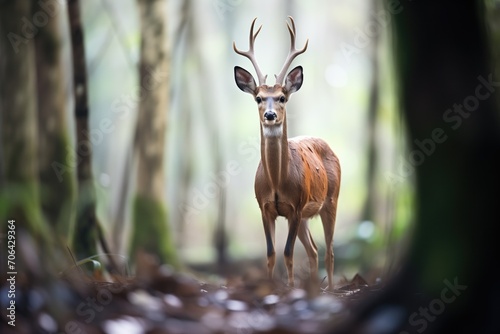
(160, 300)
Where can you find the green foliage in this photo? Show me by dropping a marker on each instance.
(151, 231)
(20, 202)
(58, 200)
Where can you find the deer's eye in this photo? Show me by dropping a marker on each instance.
(282, 99)
(258, 99)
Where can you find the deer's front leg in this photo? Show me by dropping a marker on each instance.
(293, 228)
(269, 228)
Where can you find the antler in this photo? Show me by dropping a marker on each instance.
(250, 53)
(292, 53)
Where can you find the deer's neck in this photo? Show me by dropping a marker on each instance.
(274, 153)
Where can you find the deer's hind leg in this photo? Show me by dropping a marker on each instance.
(328, 215)
(306, 239)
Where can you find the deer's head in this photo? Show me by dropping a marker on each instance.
(271, 100)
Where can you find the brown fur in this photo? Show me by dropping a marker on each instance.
(297, 178)
(309, 185)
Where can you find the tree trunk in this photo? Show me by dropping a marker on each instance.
(447, 92)
(58, 190)
(184, 154)
(441, 67)
(151, 231)
(19, 191)
(209, 117)
(369, 211)
(88, 229)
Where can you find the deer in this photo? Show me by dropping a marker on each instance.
(297, 178)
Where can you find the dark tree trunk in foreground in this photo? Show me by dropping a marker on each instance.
(19, 186)
(53, 144)
(150, 230)
(88, 228)
(447, 92)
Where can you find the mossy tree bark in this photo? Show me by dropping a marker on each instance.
(19, 190)
(150, 230)
(53, 145)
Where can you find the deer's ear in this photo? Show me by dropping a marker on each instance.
(244, 80)
(294, 80)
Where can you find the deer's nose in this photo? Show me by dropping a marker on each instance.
(270, 115)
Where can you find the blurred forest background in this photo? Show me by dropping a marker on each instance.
(121, 128)
(212, 129)
(212, 137)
